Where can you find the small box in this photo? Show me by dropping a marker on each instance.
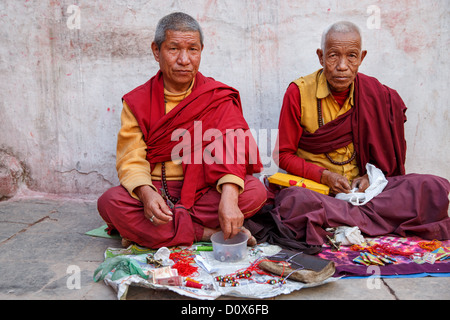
(289, 180)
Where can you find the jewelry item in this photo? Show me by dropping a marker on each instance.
(320, 122)
(173, 200)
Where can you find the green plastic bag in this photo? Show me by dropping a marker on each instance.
(123, 267)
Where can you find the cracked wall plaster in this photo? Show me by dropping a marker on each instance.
(61, 88)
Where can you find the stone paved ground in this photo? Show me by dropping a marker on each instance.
(42, 239)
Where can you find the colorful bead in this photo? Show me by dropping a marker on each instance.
(243, 274)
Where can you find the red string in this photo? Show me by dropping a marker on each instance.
(384, 248)
(185, 269)
(183, 262)
(430, 246)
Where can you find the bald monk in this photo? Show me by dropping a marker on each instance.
(169, 195)
(332, 123)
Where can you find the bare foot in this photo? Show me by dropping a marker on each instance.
(207, 233)
(251, 239)
(126, 243)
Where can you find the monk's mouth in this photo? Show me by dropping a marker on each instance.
(341, 78)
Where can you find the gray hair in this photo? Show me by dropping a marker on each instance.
(340, 27)
(177, 21)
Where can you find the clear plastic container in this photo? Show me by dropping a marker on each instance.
(230, 250)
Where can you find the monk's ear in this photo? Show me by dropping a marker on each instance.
(363, 55)
(155, 51)
(320, 55)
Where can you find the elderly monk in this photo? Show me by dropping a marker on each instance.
(167, 199)
(332, 123)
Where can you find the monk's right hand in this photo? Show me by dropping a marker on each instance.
(155, 208)
(336, 182)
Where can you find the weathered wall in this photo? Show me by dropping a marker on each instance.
(61, 82)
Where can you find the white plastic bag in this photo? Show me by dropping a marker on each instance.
(163, 254)
(377, 184)
(347, 236)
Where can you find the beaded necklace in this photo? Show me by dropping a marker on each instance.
(320, 123)
(164, 183)
(172, 199)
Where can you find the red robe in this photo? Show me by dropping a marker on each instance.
(218, 107)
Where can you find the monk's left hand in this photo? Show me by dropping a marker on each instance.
(230, 216)
(362, 183)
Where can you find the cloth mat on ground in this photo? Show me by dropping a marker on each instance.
(256, 288)
(102, 233)
(404, 267)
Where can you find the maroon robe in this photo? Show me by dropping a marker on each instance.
(375, 125)
(410, 204)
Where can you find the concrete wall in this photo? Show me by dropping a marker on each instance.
(62, 79)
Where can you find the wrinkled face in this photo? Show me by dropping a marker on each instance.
(179, 59)
(341, 59)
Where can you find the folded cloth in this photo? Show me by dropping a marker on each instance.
(377, 184)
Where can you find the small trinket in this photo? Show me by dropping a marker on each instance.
(271, 281)
(360, 260)
(234, 283)
(390, 258)
(384, 260)
(335, 246)
(219, 278)
(429, 258)
(243, 274)
(222, 284)
(156, 262)
(373, 259)
(417, 258)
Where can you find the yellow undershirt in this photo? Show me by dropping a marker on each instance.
(131, 163)
(313, 87)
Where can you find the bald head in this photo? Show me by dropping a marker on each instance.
(341, 54)
(340, 27)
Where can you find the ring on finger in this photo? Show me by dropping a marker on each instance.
(151, 219)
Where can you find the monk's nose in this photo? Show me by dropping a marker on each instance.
(183, 58)
(342, 64)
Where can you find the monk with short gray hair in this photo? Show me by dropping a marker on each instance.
(171, 195)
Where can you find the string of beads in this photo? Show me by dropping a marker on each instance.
(232, 279)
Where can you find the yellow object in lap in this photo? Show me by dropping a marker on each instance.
(289, 180)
